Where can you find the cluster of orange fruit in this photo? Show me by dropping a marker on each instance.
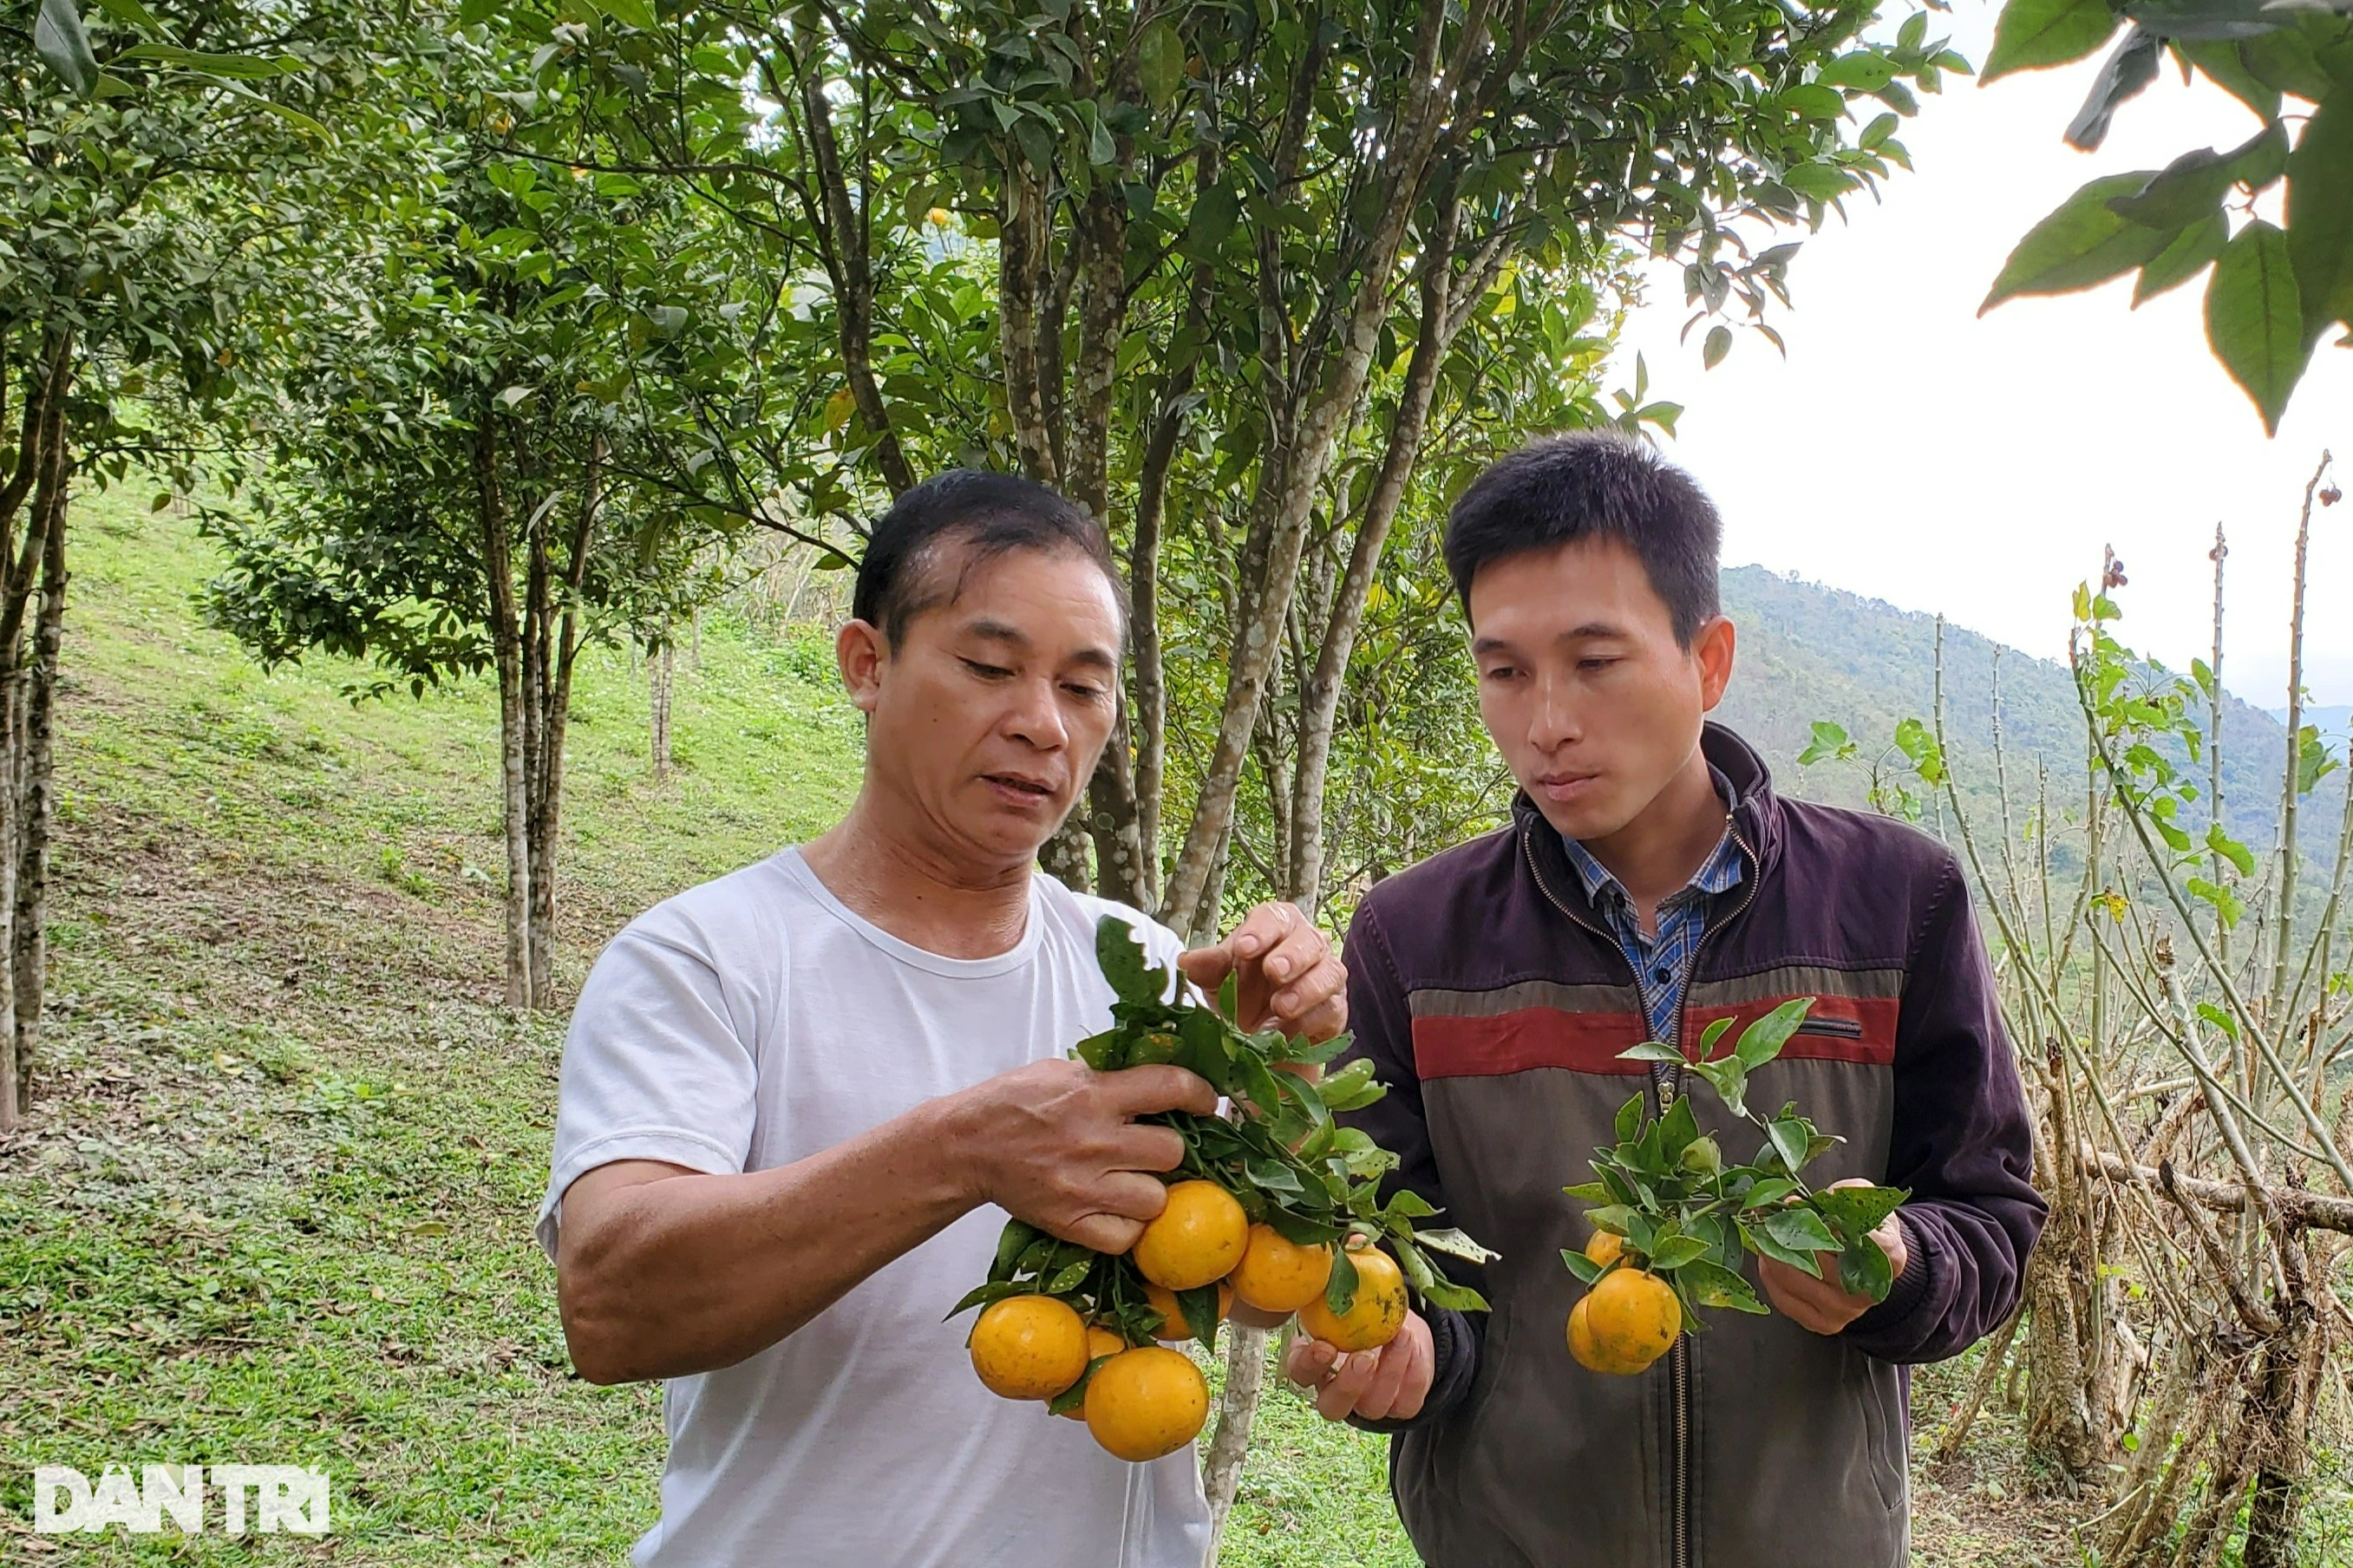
(1628, 1318)
(1144, 1401)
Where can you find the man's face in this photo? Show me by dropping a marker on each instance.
(1588, 697)
(987, 714)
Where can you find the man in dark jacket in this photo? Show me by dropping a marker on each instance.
(1651, 882)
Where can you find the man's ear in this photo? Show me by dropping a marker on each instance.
(1712, 645)
(860, 650)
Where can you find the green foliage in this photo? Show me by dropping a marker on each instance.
(1686, 1215)
(2274, 293)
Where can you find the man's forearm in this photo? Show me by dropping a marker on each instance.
(685, 1274)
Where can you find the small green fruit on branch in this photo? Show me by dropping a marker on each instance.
(1683, 1217)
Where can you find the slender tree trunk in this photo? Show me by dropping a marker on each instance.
(28, 939)
(1064, 856)
(505, 643)
(657, 674)
(1319, 695)
(838, 223)
(559, 653)
(1221, 1466)
(1291, 474)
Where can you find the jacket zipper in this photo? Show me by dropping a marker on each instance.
(1849, 1028)
(1666, 1083)
(1670, 1085)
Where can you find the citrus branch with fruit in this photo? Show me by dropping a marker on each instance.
(1671, 1219)
(1275, 1206)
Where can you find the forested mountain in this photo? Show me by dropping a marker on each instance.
(1808, 652)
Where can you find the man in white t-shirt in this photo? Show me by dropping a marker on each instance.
(798, 1101)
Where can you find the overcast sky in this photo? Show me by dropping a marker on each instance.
(1911, 452)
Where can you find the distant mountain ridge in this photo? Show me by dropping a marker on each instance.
(1808, 652)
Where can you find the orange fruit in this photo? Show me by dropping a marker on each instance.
(1028, 1347)
(1144, 1403)
(1280, 1275)
(1101, 1342)
(1199, 1237)
(1625, 1322)
(1605, 1246)
(1378, 1313)
(1172, 1317)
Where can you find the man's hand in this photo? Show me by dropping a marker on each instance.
(1819, 1304)
(1284, 971)
(1055, 1143)
(1388, 1383)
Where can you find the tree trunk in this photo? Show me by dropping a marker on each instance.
(505, 643)
(1064, 856)
(2282, 1398)
(28, 937)
(657, 673)
(1319, 694)
(1221, 1466)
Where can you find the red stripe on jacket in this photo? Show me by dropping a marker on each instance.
(1525, 1038)
(1532, 1037)
(1874, 1016)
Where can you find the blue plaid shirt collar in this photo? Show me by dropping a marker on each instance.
(1662, 964)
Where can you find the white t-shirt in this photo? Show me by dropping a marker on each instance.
(754, 1021)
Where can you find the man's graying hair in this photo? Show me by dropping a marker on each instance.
(991, 514)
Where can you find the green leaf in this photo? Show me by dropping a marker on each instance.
(1456, 1244)
(1714, 1285)
(1123, 963)
(1011, 1242)
(235, 68)
(135, 13)
(1199, 1310)
(1718, 344)
(1160, 62)
(980, 1295)
(2191, 252)
(1590, 1192)
(1790, 1137)
(2231, 850)
(1862, 70)
(2188, 188)
(1340, 1289)
(2221, 61)
(1762, 1040)
(1649, 1051)
(1214, 213)
(1762, 1242)
(1856, 1211)
(2083, 243)
(1677, 1128)
(1584, 1268)
(58, 38)
(2033, 33)
(1864, 1270)
(2320, 214)
(1713, 1033)
(1677, 1251)
(638, 14)
(1629, 1118)
(2256, 322)
(1800, 1229)
(1095, 1050)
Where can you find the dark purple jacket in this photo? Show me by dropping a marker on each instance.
(1485, 990)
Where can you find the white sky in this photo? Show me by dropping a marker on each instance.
(1910, 451)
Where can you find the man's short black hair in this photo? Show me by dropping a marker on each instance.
(1594, 484)
(991, 514)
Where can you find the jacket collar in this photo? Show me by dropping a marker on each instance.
(1756, 820)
